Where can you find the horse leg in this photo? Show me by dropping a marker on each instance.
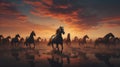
(62, 48)
(53, 46)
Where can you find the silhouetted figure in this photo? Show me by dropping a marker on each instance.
(6, 41)
(105, 40)
(90, 41)
(75, 40)
(15, 40)
(83, 40)
(114, 41)
(30, 40)
(22, 40)
(57, 38)
(38, 40)
(68, 40)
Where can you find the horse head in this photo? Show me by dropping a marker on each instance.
(111, 35)
(1, 36)
(61, 30)
(86, 36)
(8, 37)
(39, 38)
(33, 33)
(22, 38)
(17, 36)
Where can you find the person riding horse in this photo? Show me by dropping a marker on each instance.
(57, 38)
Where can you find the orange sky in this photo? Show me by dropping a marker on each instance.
(45, 16)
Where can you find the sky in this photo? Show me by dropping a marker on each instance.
(95, 18)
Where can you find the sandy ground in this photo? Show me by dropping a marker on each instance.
(72, 56)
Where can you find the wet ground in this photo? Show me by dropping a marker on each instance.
(72, 56)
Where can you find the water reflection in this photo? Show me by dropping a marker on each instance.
(106, 58)
(57, 59)
(70, 57)
(30, 59)
(15, 54)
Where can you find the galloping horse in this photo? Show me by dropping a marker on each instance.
(57, 38)
(30, 40)
(15, 40)
(83, 40)
(105, 39)
(6, 41)
(68, 40)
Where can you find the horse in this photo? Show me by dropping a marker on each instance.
(75, 40)
(37, 41)
(6, 41)
(57, 39)
(15, 40)
(30, 40)
(68, 40)
(105, 40)
(114, 41)
(83, 40)
(1, 37)
(22, 40)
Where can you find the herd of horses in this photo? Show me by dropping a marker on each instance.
(18, 40)
(57, 39)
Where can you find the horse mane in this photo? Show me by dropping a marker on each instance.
(51, 39)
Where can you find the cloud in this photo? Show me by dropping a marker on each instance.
(80, 14)
(13, 21)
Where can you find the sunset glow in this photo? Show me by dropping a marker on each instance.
(78, 17)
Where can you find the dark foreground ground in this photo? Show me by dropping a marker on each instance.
(72, 56)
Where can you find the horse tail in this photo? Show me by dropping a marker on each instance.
(50, 40)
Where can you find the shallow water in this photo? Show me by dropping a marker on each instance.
(72, 56)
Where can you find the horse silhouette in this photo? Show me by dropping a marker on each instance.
(114, 41)
(104, 40)
(83, 40)
(57, 38)
(30, 40)
(6, 41)
(37, 41)
(68, 40)
(15, 40)
(1, 37)
(75, 40)
(22, 40)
